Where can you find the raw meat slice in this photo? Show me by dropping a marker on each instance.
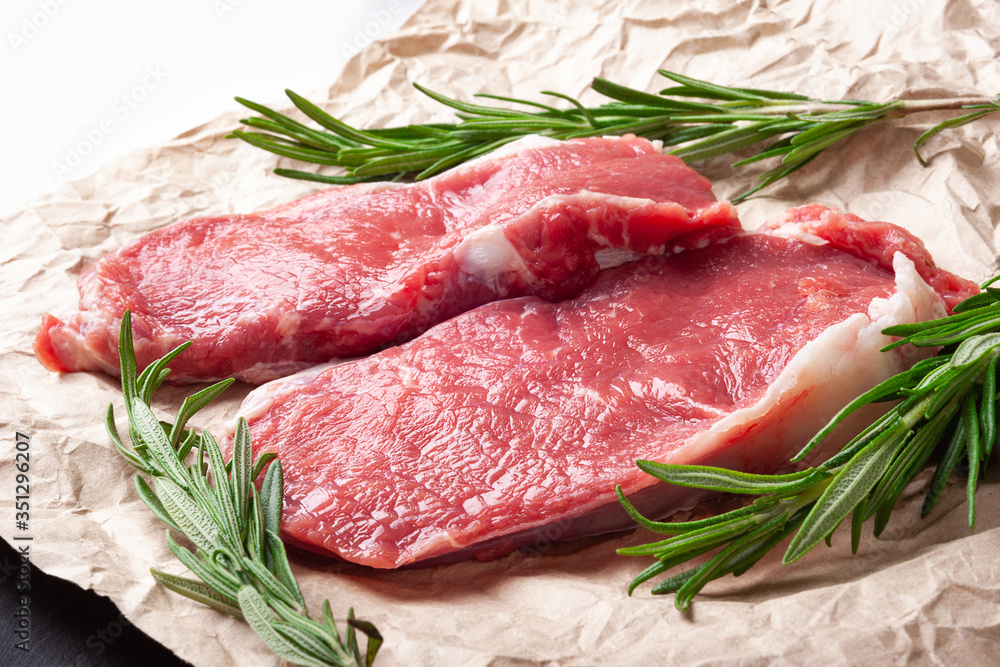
(350, 270)
(513, 422)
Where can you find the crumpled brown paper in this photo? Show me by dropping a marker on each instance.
(926, 591)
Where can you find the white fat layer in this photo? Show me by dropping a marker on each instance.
(611, 257)
(827, 373)
(795, 232)
(533, 141)
(487, 254)
(657, 143)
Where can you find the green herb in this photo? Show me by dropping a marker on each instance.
(240, 563)
(947, 406)
(699, 119)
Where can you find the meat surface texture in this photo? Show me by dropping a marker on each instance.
(350, 270)
(513, 422)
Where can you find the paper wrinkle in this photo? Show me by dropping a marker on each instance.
(927, 591)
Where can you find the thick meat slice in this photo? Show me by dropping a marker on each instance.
(524, 414)
(350, 270)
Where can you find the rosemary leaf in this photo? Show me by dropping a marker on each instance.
(971, 420)
(949, 124)
(242, 453)
(725, 561)
(344, 130)
(846, 491)
(671, 585)
(272, 585)
(987, 410)
(679, 527)
(255, 529)
(306, 641)
(275, 122)
(193, 520)
(261, 463)
(278, 146)
(270, 497)
(147, 496)
(153, 376)
(223, 491)
(219, 579)
(641, 99)
(198, 591)
(720, 479)
(193, 404)
(156, 440)
(913, 458)
(944, 469)
(133, 459)
(280, 566)
(261, 619)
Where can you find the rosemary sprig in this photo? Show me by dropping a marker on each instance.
(947, 406)
(232, 527)
(700, 120)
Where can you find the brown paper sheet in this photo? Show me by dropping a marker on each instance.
(926, 591)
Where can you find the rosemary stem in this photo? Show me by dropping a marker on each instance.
(905, 108)
(917, 106)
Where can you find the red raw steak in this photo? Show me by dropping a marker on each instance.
(347, 271)
(522, 415)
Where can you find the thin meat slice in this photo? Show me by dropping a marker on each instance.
(347, 271)
(513, 422)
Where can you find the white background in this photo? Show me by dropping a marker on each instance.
(84, 82)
